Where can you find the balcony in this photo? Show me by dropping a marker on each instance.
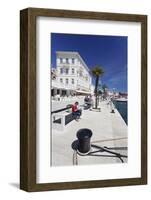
(59, 85)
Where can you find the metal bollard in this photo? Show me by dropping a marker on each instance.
(84, 136)
(112, 107)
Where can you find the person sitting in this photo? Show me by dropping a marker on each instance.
(88, 102)
(76, 111)
(86, 99)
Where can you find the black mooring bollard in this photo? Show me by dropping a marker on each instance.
(112, 111)
(84, 136)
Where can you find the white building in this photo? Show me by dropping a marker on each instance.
(72, 75)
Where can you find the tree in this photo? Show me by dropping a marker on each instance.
(97, 71)
(104, 87)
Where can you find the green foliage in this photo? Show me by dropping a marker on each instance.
(104, 86)
(97, 71)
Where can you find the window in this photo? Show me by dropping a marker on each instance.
(72, 70)
(72, 60)
(61, 80)
(67, 70)
(72, 81)
(66, 80)
(61, 60)
(61, 70)
(67, 60)
(80, 73)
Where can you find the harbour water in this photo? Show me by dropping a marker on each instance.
(121, 106)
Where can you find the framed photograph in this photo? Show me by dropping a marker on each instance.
(83, 99)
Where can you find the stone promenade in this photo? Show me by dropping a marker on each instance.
(109, 129)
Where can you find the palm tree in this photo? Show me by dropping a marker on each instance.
(97, 71)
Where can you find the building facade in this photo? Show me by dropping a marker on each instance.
(72, 76)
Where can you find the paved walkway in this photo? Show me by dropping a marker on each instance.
(109, 129)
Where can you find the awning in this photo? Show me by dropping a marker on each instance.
(84, 92)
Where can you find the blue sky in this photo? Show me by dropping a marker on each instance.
(110, 52)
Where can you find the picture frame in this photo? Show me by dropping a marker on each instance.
(28, 98)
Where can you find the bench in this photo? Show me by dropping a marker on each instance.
(62, 117)
(87, 106)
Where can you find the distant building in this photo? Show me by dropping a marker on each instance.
(123, 95)
(71, 75)
(113, 94)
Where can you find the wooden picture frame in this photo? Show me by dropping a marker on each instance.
(28, 98)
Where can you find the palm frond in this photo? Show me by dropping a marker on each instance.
(97, 71)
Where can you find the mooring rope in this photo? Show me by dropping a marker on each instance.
(75, 159)
(112, 139)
